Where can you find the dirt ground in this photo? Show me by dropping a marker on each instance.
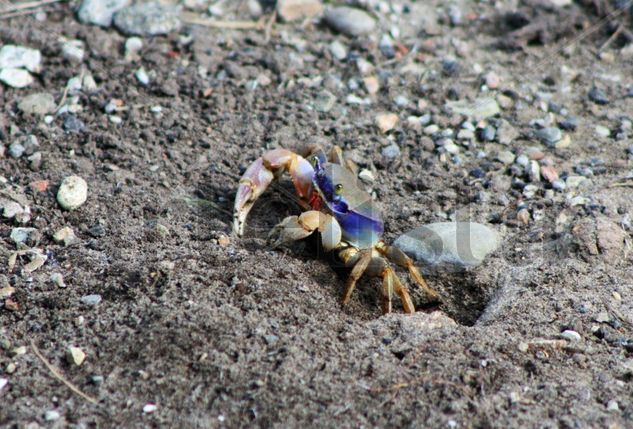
(220, 331)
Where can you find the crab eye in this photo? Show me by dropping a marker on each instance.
(314, 160)
(338, 189)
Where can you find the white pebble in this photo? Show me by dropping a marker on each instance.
(149, 408)
(72, 193)
(3, 383)
(16, 78)
(142, 76)
(51, 415)
(570, 335)
(73, 51)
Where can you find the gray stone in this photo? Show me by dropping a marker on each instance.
(22, 235)
(148, 19)
(73, 50)
(324, 101)
(459, 244)
(39, 103)
(16, 150)
(91, 300)
(391, 151)
(506, 157)
(10, 209)
(338, 50)
(292, 10)
(549, 135)
(350, 21)
(100, 12)
(16, 78)
(479, 109)
(15, 57)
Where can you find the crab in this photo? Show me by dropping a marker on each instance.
(336, 206)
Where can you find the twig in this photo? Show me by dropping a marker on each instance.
(28, 5)
(269, 27)
(611, 38)
(60, 377)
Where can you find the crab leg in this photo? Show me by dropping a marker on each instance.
(398, 257)
(295, 228)
(360, 260)
(260, 175)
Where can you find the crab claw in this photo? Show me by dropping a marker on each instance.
(260, 175)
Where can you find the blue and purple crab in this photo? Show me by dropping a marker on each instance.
(339, 209)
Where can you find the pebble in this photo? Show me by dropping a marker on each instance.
(366, 176)
(492, 80)
(570, 123)
(293, 10)
(149, 408)
(549, 173)
(6, 292)
(3, 383)
(19, 57)
(598, 96)
(613, 405)
(338, 50)
(100, 12)
(11, 209)
(22, 235)
(603, 131)
(401, 101)
(324, 101)
(391, 151)
(58, 280)
(462, 244)
(73, 51)
(506, 133)
(372, 84)
(529, 191)
(349, 21)
(429, 130)
(570, 335)
(523, 160)
(116, 120)
(549, 135)
(479, 109)
(72, 193)
(148, 19)
(573, 182)
(465, 135)
(52, 415)
(39, 103)
(72, 124)
(386, 121)
(133, 45)
(91, 300)
(16, 78)
(142, 76)
(65, 236)
(487, 133)
(534, 171)
(450, 146)
(523, 216)
(506, 157)
(16, 150)
(75, 356)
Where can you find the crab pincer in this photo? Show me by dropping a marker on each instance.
(260, 174)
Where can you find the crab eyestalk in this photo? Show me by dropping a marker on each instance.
(260, 174)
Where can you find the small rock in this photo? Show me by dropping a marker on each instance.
(570, 123)
(563, 143)
(75, 356)
(523, 216)
(100, 12)
(612, 405)
(23, 235)
(573, 182)
(148, 19)
(58, 280)
(549, 135)
(603, 131)
(133, 46)
(465, 135)
(73, 51)
(292, 10)
(432, 129)
(149, 408)
(16, 150)
(481, 108)
(391, 151)
(6, 292)
(372, 84)
(487, 133)
(598, 96)
(72, 193)
(349, 21)
(39, 103)
(506, 157)
(506, 133)
(338, 50)
(73, 124)
(534, 171)
(18, 57)
(492, 80)
(16, 78)
(549, 173)
(52, 415)
(324, 101)
(570, 335)
(386, 121)
(142, 76)
(91, 300)
(66, 236)
(463, 244)
(3, 383)
(366, 176)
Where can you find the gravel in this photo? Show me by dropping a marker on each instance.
(100, 12)
(20, 57)
(39, 103)
(16, 78)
